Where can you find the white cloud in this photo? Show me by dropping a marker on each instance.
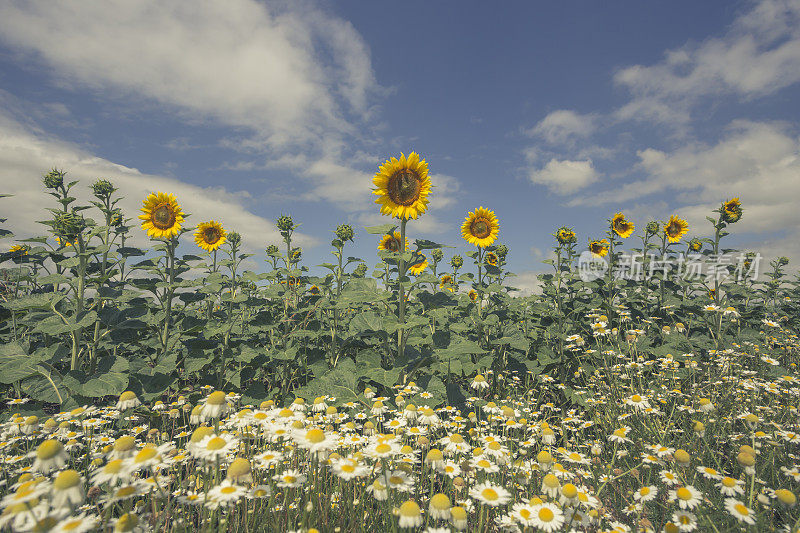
(288, 72)
(25, 156)
(563, 126)
(759, 55)
(564, 177)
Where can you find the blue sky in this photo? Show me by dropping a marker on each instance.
(549, 113)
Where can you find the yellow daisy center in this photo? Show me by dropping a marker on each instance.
(315, 436)
(546, 515)
(741, 509)
(217, 443)
(684, 494)
(490, 494)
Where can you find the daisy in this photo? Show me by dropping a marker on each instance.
(687, 496)
(729, 486)
(484, 465)
(215, 406)
(348, 469)
(637, 402)
(668, 477)
(269, 458)
(439, 507)
(410, 515)
(315, 440)
(68, 489)
(400, 481)
(226, 493)
(50, 456)
(215, 447)
(76, 524)
(547, 517)
(379, 490)
(708, 472)
(479, 382)
(620, 435)
(458, 517)
(289, 479)
(489, 494)
(523, 513)
(128, 400)
(646, 493)
(740, 511)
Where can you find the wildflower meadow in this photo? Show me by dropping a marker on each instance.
(167, 388)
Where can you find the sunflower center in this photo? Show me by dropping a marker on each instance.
(480, 228)
(211, 235)
(163, 216)
(404, 187)
(673, 229)
(393, 245)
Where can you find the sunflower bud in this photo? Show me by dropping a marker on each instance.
(272, 250)
(116, 219)
(783, 261)
(296, 255)
(437, 255)
(102, 189)
(54, 179)
(652, 227)
(234, 238)
(68, 225)
(501, 251)
(360, 270)
(457, 261)
(344, 232)
(285, 224)
(731, 210)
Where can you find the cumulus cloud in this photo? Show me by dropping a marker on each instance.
(758, 55)
(563, 126)
(289, 72)
(565, 176)
(26, 155)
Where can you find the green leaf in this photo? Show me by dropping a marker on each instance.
(383, 229)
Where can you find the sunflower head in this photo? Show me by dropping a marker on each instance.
(652, 227)
(402, 186)
(472, 295)
(480, 227)
(731, 210)
(19, 250)
(68, 225)
(272, 250)
(391, 243)
(565, 235)
(456, 261)
(445, 280)
(418, 264)
(161, 216)
(695, 245)
(313, 290)
(621, 227)
(209, 235)
(491, 259)
(675, 228)
(599, 247)
(437, 255)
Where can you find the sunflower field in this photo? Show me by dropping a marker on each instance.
(170, 389)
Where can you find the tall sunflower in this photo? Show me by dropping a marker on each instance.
(622, 227)
(403, 186)
(491, 259)
(161, 216)
(599, 247)
(209, 235)
(480, 227)
(732, 210)
(675, 228)
(391, 243)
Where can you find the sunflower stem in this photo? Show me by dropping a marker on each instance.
(401, 309)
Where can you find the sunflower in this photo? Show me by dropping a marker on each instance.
(472, 295)
(675, 228)
(480, 227)
(209, 235)
(565, 235)
(599, 248)
(732, 210)
(63, 242)
(421, 263)
(313, 290)
(622, 227)
(446, 279)
(162, 216)
(391, 243)
(403, 186)
(491, 259)
(19, 249)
